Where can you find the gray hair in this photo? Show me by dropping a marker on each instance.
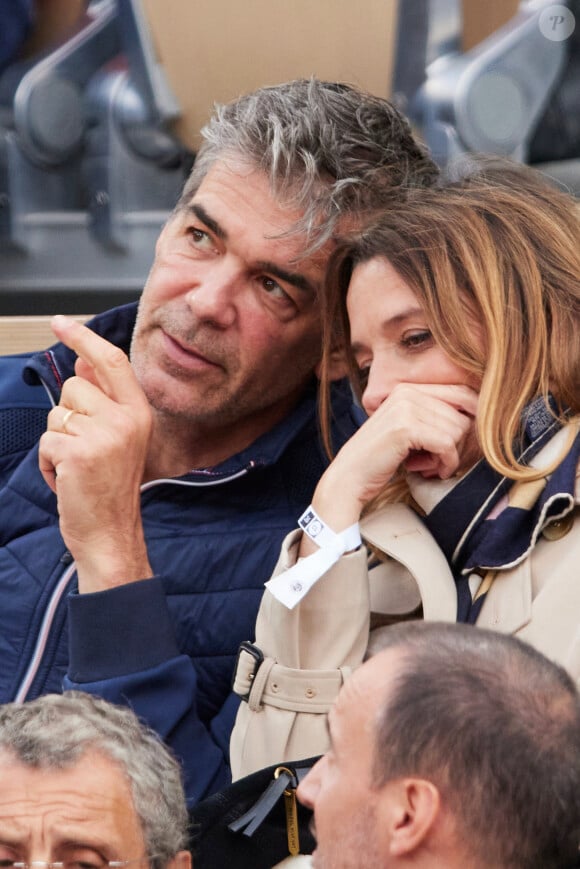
(496, 727)
(327, 148)
(55, 731)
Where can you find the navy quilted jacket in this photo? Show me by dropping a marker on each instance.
(165, 645)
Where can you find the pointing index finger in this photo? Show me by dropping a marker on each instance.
(111, 366)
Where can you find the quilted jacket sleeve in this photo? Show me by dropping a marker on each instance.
(122, 648)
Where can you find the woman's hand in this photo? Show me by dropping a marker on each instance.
(425, 427)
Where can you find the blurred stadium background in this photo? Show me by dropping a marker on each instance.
(101, 103)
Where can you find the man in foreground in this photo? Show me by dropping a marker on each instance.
(85, 785)
(451, 748)
(170, 562)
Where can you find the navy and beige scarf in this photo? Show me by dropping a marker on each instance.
(474, 542)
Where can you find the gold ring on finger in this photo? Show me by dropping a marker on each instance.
(66, 419)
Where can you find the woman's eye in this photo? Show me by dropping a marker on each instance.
(414, 340)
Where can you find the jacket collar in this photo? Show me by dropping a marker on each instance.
(401, 534)
(520, 516)
(53, 366)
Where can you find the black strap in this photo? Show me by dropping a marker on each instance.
(284, 778)
(249, 822)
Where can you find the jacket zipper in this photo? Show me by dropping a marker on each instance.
(62, 584)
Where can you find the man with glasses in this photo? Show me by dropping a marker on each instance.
(84, 785)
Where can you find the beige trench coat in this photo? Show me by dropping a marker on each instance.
(310, 650)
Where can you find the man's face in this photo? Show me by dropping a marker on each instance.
(83, 814)
(228, 328)
(338, 789)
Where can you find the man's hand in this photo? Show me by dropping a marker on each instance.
(93, 457)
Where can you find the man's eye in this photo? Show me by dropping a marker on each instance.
(199, 238)
(85, 858)
(414, 340)
(93, 863)
(274, 289)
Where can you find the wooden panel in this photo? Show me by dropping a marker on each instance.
(215, 50)
(481, 19)
(21, 334)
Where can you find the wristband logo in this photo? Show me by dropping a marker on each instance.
(310, 523)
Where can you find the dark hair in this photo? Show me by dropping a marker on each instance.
(496, 727)
(328, 149)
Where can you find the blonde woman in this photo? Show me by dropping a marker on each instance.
(460, 313)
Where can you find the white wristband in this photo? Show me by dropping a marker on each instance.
(323, 536)
(292, 585)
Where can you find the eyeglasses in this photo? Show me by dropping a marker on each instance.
(95, 862)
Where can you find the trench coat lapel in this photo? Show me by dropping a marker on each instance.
(399, 532)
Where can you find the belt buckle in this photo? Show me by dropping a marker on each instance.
(258, 657)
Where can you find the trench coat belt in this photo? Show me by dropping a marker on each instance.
(260, 680)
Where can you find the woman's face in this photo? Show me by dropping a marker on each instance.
(390, 337)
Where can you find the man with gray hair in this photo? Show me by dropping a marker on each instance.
(84, 785)
(452, 747)
(153, 571)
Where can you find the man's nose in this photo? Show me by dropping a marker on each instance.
(215, 294)
(308, 787)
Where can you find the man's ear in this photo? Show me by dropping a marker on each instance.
(182, 860)
(414, 809)
(337, 368)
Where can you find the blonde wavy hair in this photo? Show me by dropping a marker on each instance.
(500, 249)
